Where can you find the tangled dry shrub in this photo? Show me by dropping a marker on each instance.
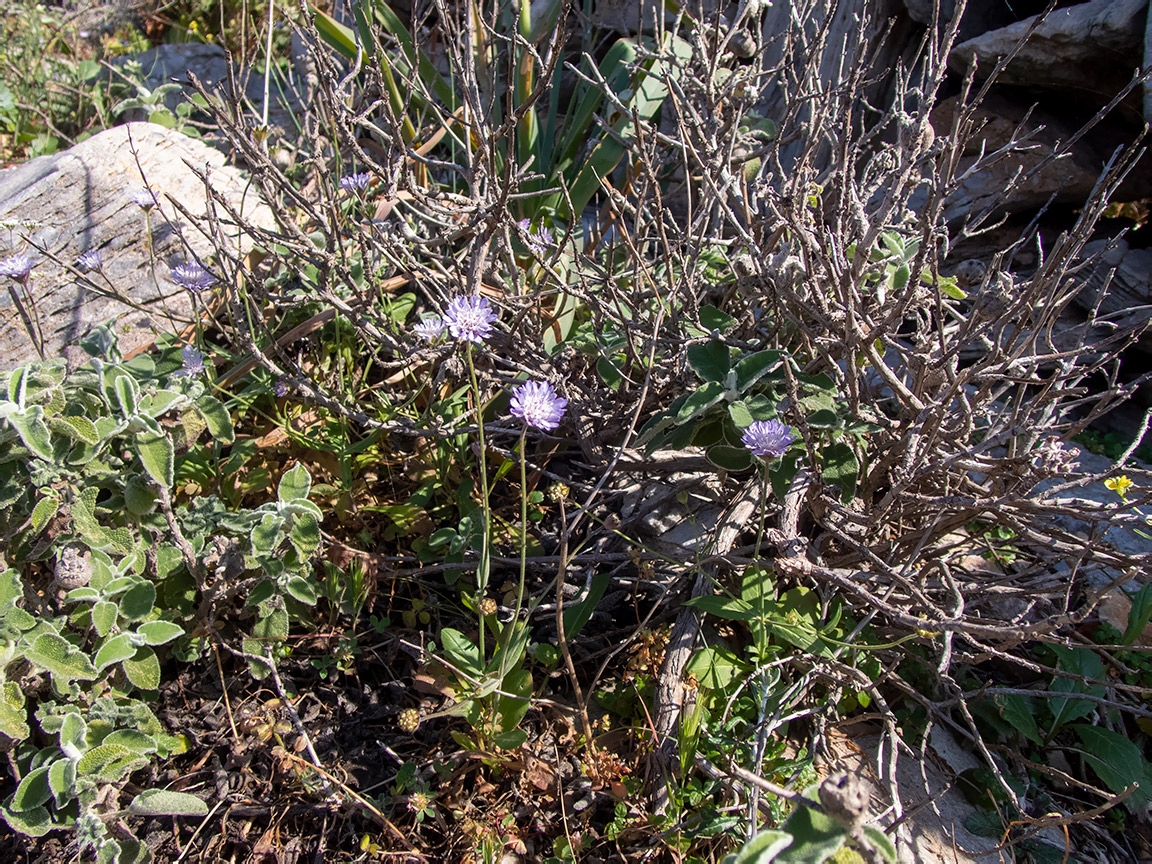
(972, 392)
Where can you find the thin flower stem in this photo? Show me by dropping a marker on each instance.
(764, 482)
(523, 552)
(483, 570)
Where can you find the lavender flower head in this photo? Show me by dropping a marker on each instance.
(18, 267)
(538, 240)
(193, 362)
(768, 439)
(145, 198)
(192, 277)
(88, 261)
(280, 389)
(355, 182)
(538, 405)
(429, 329)
(470, 318)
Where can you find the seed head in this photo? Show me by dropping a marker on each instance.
(408, 720)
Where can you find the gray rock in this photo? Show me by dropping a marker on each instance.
(170, 64)
(979, 16)
(1067, 179)
(62, 205)
(1094, 46)
(636, 16)
(1119, 288)
(1097, 501)
(1147, 63)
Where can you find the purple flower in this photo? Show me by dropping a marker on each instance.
(538, 405)
(145, 198)
(470, 318)
(768, 438)
(89, 261)
(355, 182)
(538, 240)
(280, 388)
(193, 277)
(193, 362)
(429, 329)
(18, 267)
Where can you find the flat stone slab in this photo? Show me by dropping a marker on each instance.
(56, 207)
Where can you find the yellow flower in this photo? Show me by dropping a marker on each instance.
(1120, 485)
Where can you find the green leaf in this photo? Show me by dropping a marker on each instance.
(711, 361)
(99, 756)
(265, 537)
(160, 402)
(79, 428)
(53, 653)
(139, 495)
(816, 837)
(115, 650)
(461, 651)
(156, 455)
(577, 615)
(73, 731)
(33, 790)
(143, 670)
(301, 589)
(137, 602)
(728, 608)
(880, 842)
(305, 535)
(295, 483)
(761, 849)
(1139, 615)
(510, 710)
(510, 740)
(266, 633)
(13, 715)
(716, 666)
(841, 468)
(900, 277)
(755, 367)
(133, 739)
(34, 823)
(729, 458)
(712, 318)
(62, 781)
(159, 632)
(700, 401)
(11, 589)
(162, 802)
(740, 414)
(217, 418)
(1019, 713)
(44, 510)
(1118, 761)
(127, 396)
(30, 426)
